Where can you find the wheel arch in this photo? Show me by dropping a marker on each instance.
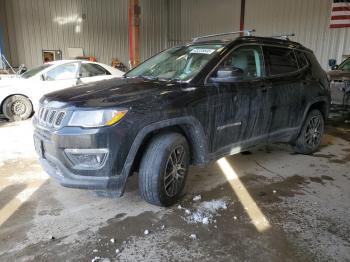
(320, 103)
(15, 94)
(189, 127)
(322, 107)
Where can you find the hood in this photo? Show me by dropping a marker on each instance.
(340, 75)
(7, 82)
(107, 93)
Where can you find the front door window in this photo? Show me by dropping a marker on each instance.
(63, 72)
(245, 63)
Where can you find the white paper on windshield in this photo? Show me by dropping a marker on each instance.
(202, 51)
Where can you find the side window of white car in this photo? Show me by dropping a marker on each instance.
(90, 70)
(63, 72)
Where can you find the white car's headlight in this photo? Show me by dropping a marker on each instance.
(96, 118)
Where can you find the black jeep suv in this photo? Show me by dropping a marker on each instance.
(188, 105)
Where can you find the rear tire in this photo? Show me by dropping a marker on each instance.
(309, 139)
(17, 108)
(163, 169)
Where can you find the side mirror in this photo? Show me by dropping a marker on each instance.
(42, 77)
(79, 76)
(228, 74)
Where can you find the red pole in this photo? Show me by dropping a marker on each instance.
(241, 23)
(134, 32)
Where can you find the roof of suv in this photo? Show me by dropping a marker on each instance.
(258, 40)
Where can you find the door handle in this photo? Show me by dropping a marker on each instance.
(264, 88)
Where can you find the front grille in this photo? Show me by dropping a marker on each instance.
(59, 118)
(50, 117)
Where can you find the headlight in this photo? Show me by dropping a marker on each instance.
(96, 118)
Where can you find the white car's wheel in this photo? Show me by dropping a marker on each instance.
(17, 107)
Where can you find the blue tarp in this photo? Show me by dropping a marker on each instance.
(2, 66)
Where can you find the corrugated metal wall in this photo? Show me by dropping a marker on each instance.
(309, 20)
(34, 25)
(153, 27)
(200, 17)
(167, 23)
(99, 27)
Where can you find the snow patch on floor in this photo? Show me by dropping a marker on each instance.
(16, 141)
(206, 211)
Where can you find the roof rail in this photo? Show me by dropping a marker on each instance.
(246, 32)
(283, 36)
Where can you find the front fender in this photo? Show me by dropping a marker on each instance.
(191, 127)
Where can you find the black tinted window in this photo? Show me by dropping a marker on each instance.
(301, 59)
(280, 60)
(89, 70)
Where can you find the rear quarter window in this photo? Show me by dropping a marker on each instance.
(302, 60)
(280, 60)
(90, 70)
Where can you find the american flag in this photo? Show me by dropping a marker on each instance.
(340, 16)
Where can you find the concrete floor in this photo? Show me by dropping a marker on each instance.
(280, 206)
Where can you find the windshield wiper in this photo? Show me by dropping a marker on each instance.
(175, 80)
(148, 77)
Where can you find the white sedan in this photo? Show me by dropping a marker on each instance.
(19, 96)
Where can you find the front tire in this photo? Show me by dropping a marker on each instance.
(17, 108)
(163, 169)
(309, 139)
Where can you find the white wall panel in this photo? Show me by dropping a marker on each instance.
(167, 23)
(309, 20)
(200, 17)
(35, 25)
(153, 27)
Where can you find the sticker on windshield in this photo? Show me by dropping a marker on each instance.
(202, 51)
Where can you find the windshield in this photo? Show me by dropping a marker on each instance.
(345, 65)
(178, 63)
(34, 71)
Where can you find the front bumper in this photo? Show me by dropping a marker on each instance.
(52, 147)
(68, 179)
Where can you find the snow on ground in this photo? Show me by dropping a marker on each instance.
(16, 140)
(206, 211)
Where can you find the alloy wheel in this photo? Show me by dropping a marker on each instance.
(175, 171)
(18, 108)
(314, 131)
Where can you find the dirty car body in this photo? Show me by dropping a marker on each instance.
(340, 85)
(219, 110)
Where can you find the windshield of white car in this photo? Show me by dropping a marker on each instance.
(345, 65)
(178, 63)
(34, 71)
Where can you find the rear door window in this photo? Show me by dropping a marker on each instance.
(280, 60)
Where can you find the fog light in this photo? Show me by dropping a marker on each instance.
(87, 159)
